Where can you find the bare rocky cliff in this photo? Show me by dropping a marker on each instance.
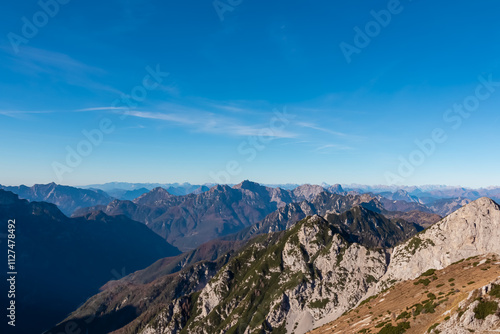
(472, 230)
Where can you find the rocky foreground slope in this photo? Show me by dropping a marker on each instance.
(468, 233)
(282, 284)
(472, 230)
(458, 299)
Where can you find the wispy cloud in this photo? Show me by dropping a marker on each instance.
(171, 89)
(21, 114)
(35, 62)
(316, 127)
(211, 123)
(328, 148)
(102, 109)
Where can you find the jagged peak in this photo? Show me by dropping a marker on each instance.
(485, 201)
(156, 194)
(337, 187)
(481, 205)
(219, 187)
(305, 187)
(159, 190)
(249, 185)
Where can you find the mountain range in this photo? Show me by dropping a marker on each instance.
(190, 220)
(68, 199)
(256, 258)
(296, 279)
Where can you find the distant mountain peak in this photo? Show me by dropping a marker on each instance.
(157, 196)
(336, 189)
(249, 185)
(220, 187)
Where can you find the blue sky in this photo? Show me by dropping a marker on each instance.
(213, 116)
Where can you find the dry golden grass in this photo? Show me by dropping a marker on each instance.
(466, 276)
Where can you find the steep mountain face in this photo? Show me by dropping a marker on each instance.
(307, 192)
(67, 199)
(336, 189)
(130, 303)
(460, 245)
(188, 221)
(470, 231)
(156, 197)
(452, 300)
(325, 203)
(372, 229)
(286, 282)
(209, 251)
(65, 260)
(423, 219)
(126, 306)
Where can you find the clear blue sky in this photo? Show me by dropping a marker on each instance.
(350, 122)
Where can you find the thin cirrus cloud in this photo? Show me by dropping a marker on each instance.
(328, 148)
(101, 109)
(214, 124)
(197, 119)
(316, 127)
(23, 114)
(34, 62)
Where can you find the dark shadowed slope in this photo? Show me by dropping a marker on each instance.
(61, 261)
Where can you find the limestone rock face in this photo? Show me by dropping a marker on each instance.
(470, 231)
(294, 282)
(466, 321)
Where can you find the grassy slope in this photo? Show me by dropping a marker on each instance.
(450, 286)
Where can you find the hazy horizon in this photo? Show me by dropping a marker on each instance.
(344, 185)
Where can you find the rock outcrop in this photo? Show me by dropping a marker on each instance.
(469, 231)
(291, 281)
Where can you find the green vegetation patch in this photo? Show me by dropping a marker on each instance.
(429, 272)
(404, 315)
(319, 303)
(425, 282)
(484, 309)
(399, 329)
(495, 291)
(367, 300)
(432, 327)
